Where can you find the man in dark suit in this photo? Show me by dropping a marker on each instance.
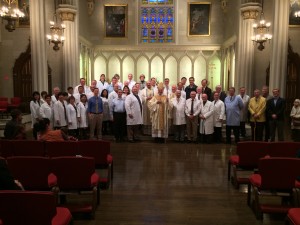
(275, 114)
(222, 94)
(206, 90)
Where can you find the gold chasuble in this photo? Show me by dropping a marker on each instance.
(159, 107)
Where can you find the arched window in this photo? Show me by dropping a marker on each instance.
(157, 21)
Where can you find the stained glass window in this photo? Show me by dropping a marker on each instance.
(157, 21)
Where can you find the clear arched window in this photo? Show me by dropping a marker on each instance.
(157, 21)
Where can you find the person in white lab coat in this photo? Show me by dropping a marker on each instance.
(206, 120)
(82, 117)
(60, 112)
(147, 94)
(86, 89)
(54, 97)
(72, 118)
(179, 120)
(46, 110)
(35, 111)
(102, 84)
(134, 111)
(219, 117)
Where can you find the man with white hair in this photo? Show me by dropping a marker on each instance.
(134, 110)
(222, 94)
(219, 117)
(54, 97)
(159, 106)
(206, 120)
(147, 94)
(179, 120)
(86, 89)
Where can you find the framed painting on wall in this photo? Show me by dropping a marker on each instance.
(294, 14)
(115, 20)
(199, 18)
(23, 6)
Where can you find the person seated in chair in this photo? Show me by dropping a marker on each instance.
(7, 182)
(14, 130)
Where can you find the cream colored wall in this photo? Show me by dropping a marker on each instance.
(14, 43)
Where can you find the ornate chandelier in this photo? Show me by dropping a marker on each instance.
(261, 32)
(10, 14)
(297, 14)
(56, 36)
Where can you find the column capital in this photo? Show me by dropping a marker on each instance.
(67, 12)
(250, 10)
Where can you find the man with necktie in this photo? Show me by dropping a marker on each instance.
(192, 110)
(95, 112)
(134, 110)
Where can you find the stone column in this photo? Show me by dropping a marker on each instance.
(71, 58)
(38, 46)
(245, 53)
(279, 51)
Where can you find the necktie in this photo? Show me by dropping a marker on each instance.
(96, 106)
(192, 107)
(199, 96)
(231, 98)
(65, 110)
(137, 97)
(215, 102)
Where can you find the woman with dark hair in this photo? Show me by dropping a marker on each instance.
(43, 97)
(106, 116)
(46, 134)
(46, 109)
(126, 91)
(82, 117)
(35, 111)
(72, 117)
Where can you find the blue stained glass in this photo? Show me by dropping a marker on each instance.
(157, 22)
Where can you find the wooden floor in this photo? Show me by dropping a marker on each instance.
(173, 184)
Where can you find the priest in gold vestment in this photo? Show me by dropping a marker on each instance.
(159, 107)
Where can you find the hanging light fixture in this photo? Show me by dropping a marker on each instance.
(10, 14)
(261, 31)
(56, 36)
(297, 14)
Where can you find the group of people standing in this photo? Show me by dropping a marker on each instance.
(189, 112)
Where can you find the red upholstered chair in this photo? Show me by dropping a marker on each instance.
(100, 151)
(246, 159)
(4, 99)
(61, 148)
(283, 149)
(293, 216)
(276, 177)
(28, 148)
(74, 175)
(15, 102)
(32, 208)
(6, 148)
(4, 108)
(33, 172)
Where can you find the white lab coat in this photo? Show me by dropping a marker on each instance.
(46, 111)
(106, 114)
(77, 98)
(132, 107)
(53, 99)
(72, 117)
(59, 114)
(219, 113)
(131, 84)
(207, 125)
(112, 96)
(82, 113)
(101, 86)
(244, 110)
(178, 111)
(35, 112)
